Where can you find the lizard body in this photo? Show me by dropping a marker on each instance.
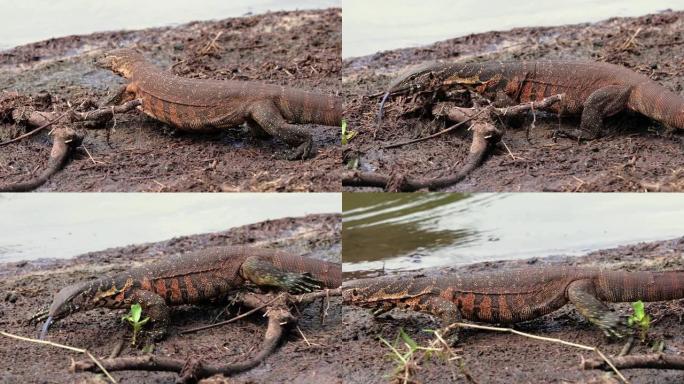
(200, 104)
(517, 295)
(593, 90)
(205, 275)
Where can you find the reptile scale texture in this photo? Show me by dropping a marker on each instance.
(593, 90)
(196, 277)
(200, 105)
(516, 295)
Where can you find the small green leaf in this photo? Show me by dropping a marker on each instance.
(347, 135)
(136, 312)
(639, 319)
(408, 340)
(639, 312)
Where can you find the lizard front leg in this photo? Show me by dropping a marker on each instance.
(447, 311)
(153, 307)
(123, 94)
(583, 295)
(268, 116)
(264, 273)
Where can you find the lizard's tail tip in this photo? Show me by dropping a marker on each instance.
(46, 326)
(382, 105)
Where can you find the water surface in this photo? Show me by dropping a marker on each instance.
(62, 225)
(35, 20)
(380, 25)
(411, 231)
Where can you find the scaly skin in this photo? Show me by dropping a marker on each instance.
(205, 275)
(594, 90)
(197, 105)
(513, 296)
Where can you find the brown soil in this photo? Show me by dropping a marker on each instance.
(299, 49)
(491, 357)
(27, 286)
(636, 155)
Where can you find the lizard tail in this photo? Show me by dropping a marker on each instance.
(621, 286)
(658, 103)
(46, 326)
(311, 108)
(382, 105)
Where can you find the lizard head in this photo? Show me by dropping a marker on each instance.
(120, 61)
(365, 292)
(423, 78)
(73, 298)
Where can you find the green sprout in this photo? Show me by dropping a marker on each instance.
(133, 319)
(407, 361)
(347, 135)
(639, 319)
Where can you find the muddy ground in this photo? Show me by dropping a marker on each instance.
(299, 49)
(491, 357)
(26, 286)
(637, 155)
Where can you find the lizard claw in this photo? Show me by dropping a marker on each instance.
(302, 283)
(302, 152)
(39, 316)
(613, 325)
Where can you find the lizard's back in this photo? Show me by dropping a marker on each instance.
(515, 295)
(205, 104)
(213, 272)
(525, 81)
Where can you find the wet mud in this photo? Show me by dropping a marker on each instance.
(298, 49)
(638, 154)
(492, 357)
(28, 285)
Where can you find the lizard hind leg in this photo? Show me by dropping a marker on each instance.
(153, 307)
(604, 102)
(582, 294)
(269, 118)
(264, 273)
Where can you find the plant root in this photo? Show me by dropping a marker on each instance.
(64, 142)
(485, 136)
(647, 361)
(65, 139)
(193, 369)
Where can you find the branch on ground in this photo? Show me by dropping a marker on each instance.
(193, 369)
(648, 361)
(64, 142)
(65, 139)
(485, 136)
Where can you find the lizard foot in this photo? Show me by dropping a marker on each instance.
(39, 316)
(575, 134)
(613, 325)
(156, 333)
(297, 283)
(303, 151)
(450, 335)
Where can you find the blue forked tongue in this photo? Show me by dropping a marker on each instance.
(382, 104)
(43, 331)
